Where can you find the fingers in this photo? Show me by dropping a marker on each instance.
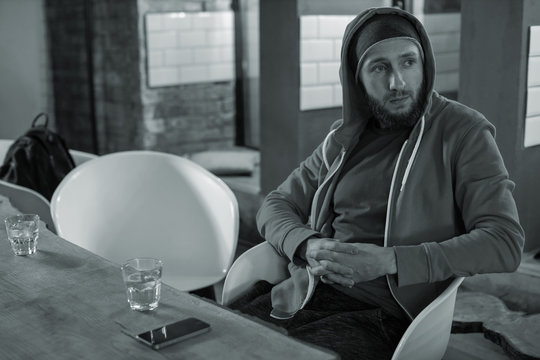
(325, 280)
(327, 267)
(337, 246)
(337, 279)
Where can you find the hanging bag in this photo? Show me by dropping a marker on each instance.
(38, 160)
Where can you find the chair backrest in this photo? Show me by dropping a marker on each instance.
(151, 204)
(4, 146)
(28, 201)
(80, 157)
(426, 338)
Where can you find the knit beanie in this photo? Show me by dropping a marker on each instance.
(380, 28)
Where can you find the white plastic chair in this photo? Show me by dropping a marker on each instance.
(426, 338)
(28, 201)
(78, 156)
(151, 204)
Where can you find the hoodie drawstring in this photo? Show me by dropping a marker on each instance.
(413, 155)
(325, 144)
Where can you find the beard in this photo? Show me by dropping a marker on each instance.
(386, 120)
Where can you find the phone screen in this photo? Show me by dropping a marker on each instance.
(172, 333)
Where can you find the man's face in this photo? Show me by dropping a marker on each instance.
(392, 77)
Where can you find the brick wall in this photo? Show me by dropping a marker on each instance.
(129, 114)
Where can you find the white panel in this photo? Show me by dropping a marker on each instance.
(333, 26)
(533, 77)
(220, 72)
(162, 40)
(193, 74)
(191, 38)
(154, 22)
(163, 77)
(532, 131)
(176, 21)
(210, 55)
(316, 50)
(220, 37)
(309, 74)
(178, 57)
(316, 97)
(202, 20)
(155, 58)
(190, 47)
(533, 101)
(309, 27)
(534, 41)
(328, 72)
(223, 20)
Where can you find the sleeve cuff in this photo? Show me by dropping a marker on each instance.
(412, 265)
(294, 238)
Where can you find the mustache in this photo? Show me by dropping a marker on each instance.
(397, 94)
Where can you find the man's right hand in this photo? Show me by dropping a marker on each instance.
(336, 274)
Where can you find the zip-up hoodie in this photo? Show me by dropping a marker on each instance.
(450, 207)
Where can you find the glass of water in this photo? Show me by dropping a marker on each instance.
(23, 231)
(142, 277)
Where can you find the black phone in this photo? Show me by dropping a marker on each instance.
(173, 333)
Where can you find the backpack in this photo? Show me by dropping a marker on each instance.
(38, 160)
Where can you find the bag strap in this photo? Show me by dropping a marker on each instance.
(39, 116)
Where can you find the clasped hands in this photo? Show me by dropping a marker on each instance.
(347, 263)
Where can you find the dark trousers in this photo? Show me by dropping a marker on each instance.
(331, 319)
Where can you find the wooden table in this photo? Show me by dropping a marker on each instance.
(65, 302)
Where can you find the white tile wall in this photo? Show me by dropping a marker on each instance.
(532, 119)
(320, 53)
(186, 48)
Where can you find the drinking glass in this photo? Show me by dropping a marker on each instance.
(23, 232)
(142, 277)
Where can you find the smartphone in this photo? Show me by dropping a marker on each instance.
(173, 333)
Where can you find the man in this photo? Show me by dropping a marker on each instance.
(406, 192)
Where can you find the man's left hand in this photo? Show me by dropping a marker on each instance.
(367, 261)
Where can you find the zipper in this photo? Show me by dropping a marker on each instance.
(311, 277)
(386, 225)
(413, 155)
(390, 198)
(328, 177)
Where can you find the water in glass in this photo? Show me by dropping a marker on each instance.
(143, 290)
(23, 242)
(23, 232)
(142, 277)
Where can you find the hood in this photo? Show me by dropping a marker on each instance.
(355, 109)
